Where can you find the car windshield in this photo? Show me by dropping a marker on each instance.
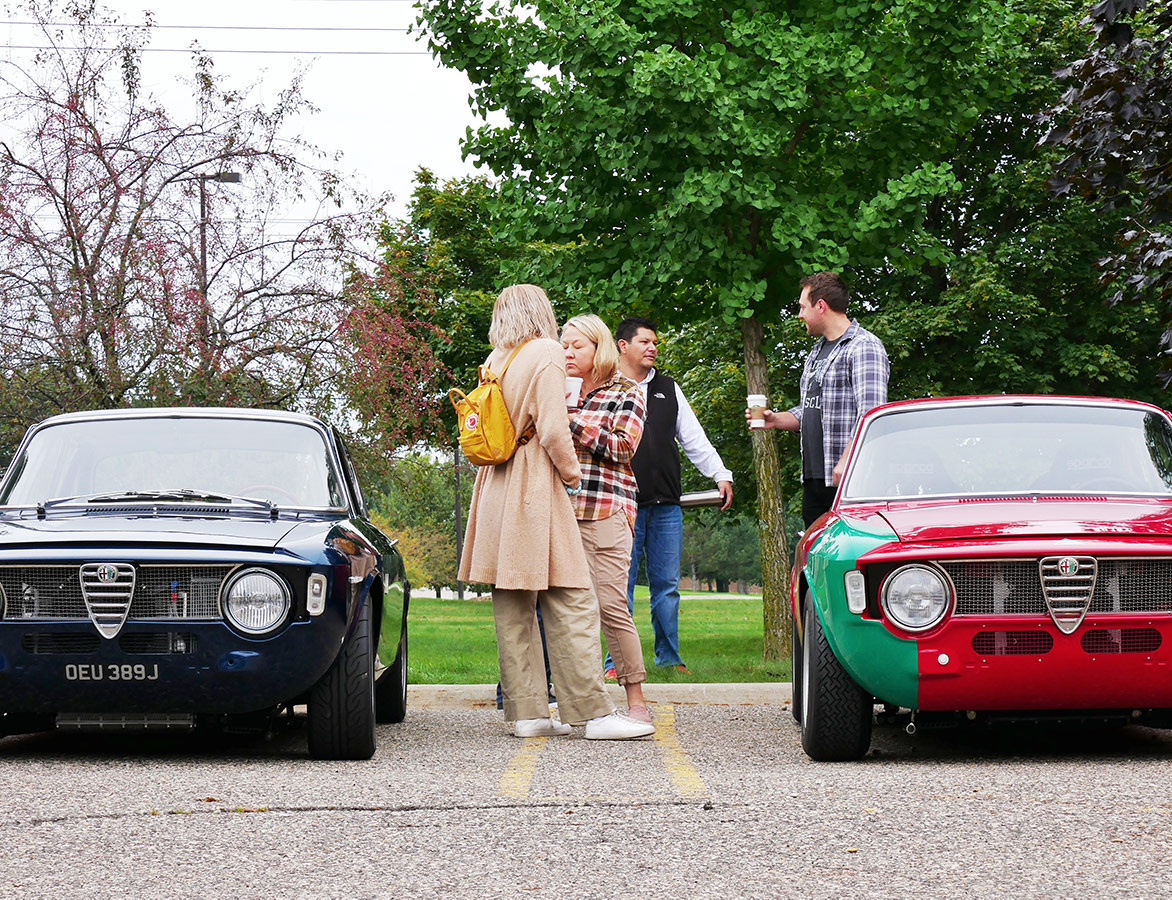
(1012, 449)
(162, 457)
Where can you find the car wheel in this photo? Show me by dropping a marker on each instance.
(836, 712)
(341, 704)
(390, 694)
(795, 669)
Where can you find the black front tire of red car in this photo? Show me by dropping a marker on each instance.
(390, 694)
(836, 712)
(341, 704)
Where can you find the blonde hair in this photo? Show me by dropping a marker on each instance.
(606, 352)
(521, 312)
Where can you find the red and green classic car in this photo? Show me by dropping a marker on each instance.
(989, 559)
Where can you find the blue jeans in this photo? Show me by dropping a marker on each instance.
(659, 539)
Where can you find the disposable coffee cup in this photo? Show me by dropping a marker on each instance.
(757, 404)
(573, 391)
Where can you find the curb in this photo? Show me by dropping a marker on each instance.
(483, 696)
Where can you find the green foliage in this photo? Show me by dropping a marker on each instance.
(703, 157)
(721, 548)
(448, 262)
(416, 504)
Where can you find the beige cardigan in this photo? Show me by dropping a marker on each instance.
(522, 534)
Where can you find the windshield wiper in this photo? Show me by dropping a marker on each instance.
(181, 495)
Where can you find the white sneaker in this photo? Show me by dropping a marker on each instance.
(548, 727)
(616, 727)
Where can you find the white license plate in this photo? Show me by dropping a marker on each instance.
(112, 672)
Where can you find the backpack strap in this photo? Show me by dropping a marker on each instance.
(527, 435)
(508, 361)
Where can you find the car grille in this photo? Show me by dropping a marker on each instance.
(1014, 586)
(1097, 641)
(1013, 643)
(143, 643)
(158, 592)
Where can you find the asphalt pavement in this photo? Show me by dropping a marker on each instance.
(483, 696)
(721, 803)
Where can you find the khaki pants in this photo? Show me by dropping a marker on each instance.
(608, 550)
(570, 616)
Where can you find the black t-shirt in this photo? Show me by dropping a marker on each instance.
(813, 465)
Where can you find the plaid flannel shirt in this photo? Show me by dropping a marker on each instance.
(606, 432)
(854, 381)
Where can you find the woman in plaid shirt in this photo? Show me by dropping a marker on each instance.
(606, 422)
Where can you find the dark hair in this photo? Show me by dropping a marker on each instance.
(827, 286)
(630, 325)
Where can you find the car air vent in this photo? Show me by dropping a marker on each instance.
(59, 644)
(1121, 640)
(1013, 643)
(158, 643)
(167, 509)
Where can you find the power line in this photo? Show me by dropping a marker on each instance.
(208, 50)
(208, 27)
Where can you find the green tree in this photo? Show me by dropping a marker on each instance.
(416, 501)
(706, 156)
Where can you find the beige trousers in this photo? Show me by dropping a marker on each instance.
(607, 543)
(570, 616)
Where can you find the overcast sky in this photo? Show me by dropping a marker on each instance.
(384, 102)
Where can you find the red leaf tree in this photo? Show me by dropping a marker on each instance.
(132, 274)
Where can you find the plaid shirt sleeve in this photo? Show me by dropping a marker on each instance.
(606, 432)
(855, 381)
(612, 433)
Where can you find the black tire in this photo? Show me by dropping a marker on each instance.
(836, 712)
(390, 693)
(795, 670)
(341, 704)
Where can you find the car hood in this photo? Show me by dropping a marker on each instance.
(981, 518)
(253, 533)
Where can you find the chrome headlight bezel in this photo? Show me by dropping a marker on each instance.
(898, 616)
(274, 619)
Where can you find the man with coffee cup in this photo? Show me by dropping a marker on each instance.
(845, 375)
(659, 526)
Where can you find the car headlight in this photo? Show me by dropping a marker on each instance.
(917, 597)
(256, 601)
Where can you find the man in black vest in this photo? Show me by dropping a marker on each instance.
(659, 527)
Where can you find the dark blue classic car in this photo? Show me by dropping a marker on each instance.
(179, 568)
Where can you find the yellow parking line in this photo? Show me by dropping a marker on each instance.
(517, 779)
(684, 778)
(518, 775)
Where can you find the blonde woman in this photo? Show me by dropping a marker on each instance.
(606, 421)
(522, 539)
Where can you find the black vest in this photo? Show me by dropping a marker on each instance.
(656, 463)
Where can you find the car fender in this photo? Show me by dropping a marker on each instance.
(879, 661)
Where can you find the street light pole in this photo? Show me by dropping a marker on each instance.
(223, 178)
(205, 318)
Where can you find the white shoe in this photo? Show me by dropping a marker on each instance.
(616, 727)
(548, 727)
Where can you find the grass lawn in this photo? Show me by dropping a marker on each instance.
(453, 642)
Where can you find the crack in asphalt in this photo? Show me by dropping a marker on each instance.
(553, 803)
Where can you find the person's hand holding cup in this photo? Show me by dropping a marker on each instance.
(757, 404)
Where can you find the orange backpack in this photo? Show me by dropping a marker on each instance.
(487, 436)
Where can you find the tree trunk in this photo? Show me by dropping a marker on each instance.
(775, 560)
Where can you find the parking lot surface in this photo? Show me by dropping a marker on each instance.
(721, 803)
